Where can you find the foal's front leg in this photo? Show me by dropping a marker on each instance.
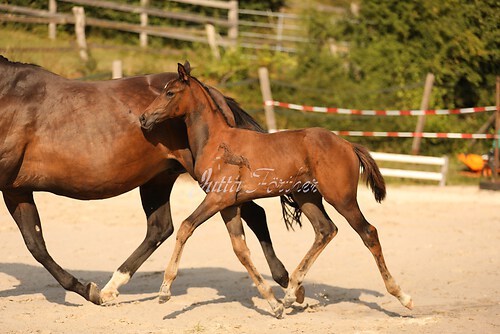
(232, 218)
(209, 207)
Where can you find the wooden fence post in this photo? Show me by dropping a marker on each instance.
(494, 183)
(232, 17)
(424, 105)
(496, 141)
(52, 26)
(279, 32)
(265, 88)
(212, 40)
(79, 13)
(117, 71)
(143, 37)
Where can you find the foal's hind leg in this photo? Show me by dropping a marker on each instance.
(234, 226)
(368, 233)
(155, 197)
(325, 230)
(23, 209)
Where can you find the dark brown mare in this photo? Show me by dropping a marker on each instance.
(235, 165)
(83, 140)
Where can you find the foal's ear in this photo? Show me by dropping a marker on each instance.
(183, 73)
(187, 66)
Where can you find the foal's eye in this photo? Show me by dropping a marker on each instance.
(169, 93)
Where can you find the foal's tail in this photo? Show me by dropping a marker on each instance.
(371, 172)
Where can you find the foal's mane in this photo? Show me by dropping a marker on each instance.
(241, 117)
(290, 209)
(207, 90)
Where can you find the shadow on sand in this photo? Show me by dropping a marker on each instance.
(34, 279)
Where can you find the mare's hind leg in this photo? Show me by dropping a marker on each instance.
(234, 226)
(311, 205)
(255, 217)
(349, 208)
(155, 197)
(23, 209)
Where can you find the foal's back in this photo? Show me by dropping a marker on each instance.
(291, 147)
(307, 155)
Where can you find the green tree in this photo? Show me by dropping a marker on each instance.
(392, 45)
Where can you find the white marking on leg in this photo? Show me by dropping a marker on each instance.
(37, 228)
(117, 280)
(110, 290)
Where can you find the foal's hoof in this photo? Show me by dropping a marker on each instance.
(163, 298)
(278, 311)
(300, 294)
(407, 301)
(164, 294)
(94, 293)
(289, 299)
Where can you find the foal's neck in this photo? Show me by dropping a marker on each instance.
(204, 123)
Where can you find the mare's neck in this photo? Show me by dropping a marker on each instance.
(204, 124)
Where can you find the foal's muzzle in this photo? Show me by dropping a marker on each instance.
(147, 122)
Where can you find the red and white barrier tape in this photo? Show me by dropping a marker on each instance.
(449, 135)
(380, 112)
(416, 134)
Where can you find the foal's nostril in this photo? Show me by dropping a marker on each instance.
(142, 119)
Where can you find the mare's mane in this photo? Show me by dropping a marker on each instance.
(4, 60)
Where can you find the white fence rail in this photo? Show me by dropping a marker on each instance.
(414, 159)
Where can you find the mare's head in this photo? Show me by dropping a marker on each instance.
(176, 99)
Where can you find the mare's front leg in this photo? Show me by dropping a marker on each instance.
(155, 197)
(209, 207)
(232, 218)
(255, 217)
(23, 209)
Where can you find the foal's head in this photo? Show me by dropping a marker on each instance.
(176, 99)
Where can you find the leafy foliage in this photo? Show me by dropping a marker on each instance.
(391, 45)
(375, 58)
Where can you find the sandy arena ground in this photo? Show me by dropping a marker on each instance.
(441, 244)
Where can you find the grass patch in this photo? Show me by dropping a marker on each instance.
(61, 55)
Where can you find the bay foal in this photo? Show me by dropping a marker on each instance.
(234, 165)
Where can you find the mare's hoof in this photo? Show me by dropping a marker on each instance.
(300, 294)
(108, 296)
(94, 293)
(282, 279)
